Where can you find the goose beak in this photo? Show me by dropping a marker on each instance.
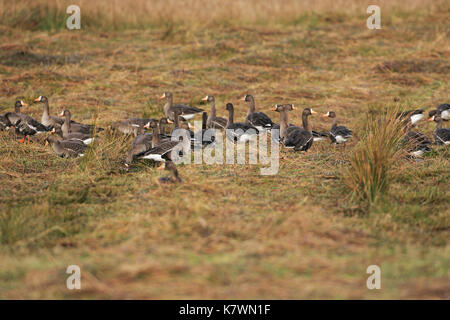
(431, 119)
(325, 115)
(243, 98)
(53, 131)
(205, 98)
(37, 99)
(24, 104)
(190, 126)
(110, 131)
(61, 113)
(169, 121)
(274, 108)
(163, 96)
(294, 108)
(313, 112)
(162, 167)
(46, 143)
(147, 125)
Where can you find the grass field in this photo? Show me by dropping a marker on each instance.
(226, 231)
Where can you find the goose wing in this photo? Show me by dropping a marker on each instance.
(259, 119)
(299, 139)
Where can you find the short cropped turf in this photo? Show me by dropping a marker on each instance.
(226, 232)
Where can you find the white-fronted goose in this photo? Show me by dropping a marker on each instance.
(69, 126)
(5, 124)
(238, 131)
(213, 120)
(338, 134)
(259, 120)
(187, 112)
(417, 143)
(201, 136)
(66, 148)
(25, 124)
(86, 138)
(411, 115)
(47, 119)
(443, 109)
(441, 135)
(174, 177)
(162, 150)
(300, 139)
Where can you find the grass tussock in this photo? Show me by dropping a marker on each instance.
(373, 159)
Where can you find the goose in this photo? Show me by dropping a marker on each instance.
(213, 121)
(284, 126)
(69, 126)
(66, 148)
(143, 142)
(300, 139)
(162, 149)
(413, 115)
(87, 139)
(238, 131)
(444, 109)
(417, 143)
(259, 120)
(186, 125)
(187, 112)
(125, 127)
(25, 124)
(338, 134)
(441, 135)
(174, 178)
(47, 119)
(201, 136)
(5, 124)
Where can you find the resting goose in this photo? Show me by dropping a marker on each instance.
(338, 134)
(162, 149)
(69, 126)
(417, 143)
(443, 109)
(413, 115)
(144, 142)
(83, 137)
(25, 124)
(5, 124)
(201, 135)
(133, 126)
(259, 120)
(213, 121)
(174, 178)
(66, 148)
(441, 135)
(238, 131)
(187, 112)
(300, 139)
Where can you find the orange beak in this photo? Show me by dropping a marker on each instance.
(205, 98)
(313, 112)
(243, 98)
(163, 96)
(162, 167)
(274, 108)
(61, 113)
(24, 104)
(46, 143)
(294, 108)
(169, 121)
(431, 119)
(37, 100)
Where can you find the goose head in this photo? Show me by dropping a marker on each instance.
(208, 98)
(19, 104)
(247, 98)
(308, 112)
(166, 95)
(41, 99)
(229, 106)
(329, 114)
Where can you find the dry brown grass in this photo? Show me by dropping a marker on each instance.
(226, 232)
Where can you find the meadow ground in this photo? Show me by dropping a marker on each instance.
(227, 231)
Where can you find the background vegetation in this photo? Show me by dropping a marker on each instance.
(226, 232)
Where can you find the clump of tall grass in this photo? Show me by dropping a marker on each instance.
(373, 160)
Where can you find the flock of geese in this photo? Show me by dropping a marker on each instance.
(69, 138)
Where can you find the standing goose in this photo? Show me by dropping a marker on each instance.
(66, 148)
(284, 126)
(203, 137)
(69, 126)
(238, 131)
(441, 135)
(214, 121)
(25, 124)
(301, 139)
(444, 109)
(259, 120)
(187, 112)
(412, 115)
(338, 134)
(144, 142)
(47, 119)
(185, 126)
(174, 178)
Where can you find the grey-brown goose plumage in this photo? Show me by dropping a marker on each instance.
(298, 138)
(25, 124)
(47, 119)
(86, 138)
(5, 124)
(174, 177)
(238, 131)
(338, 134)
(213, 120)
(133, 126)
(259, 120)
(187, 112)
(441, 135)
(69, 126)
(66, 148)
(162, 151)
(443, 109)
